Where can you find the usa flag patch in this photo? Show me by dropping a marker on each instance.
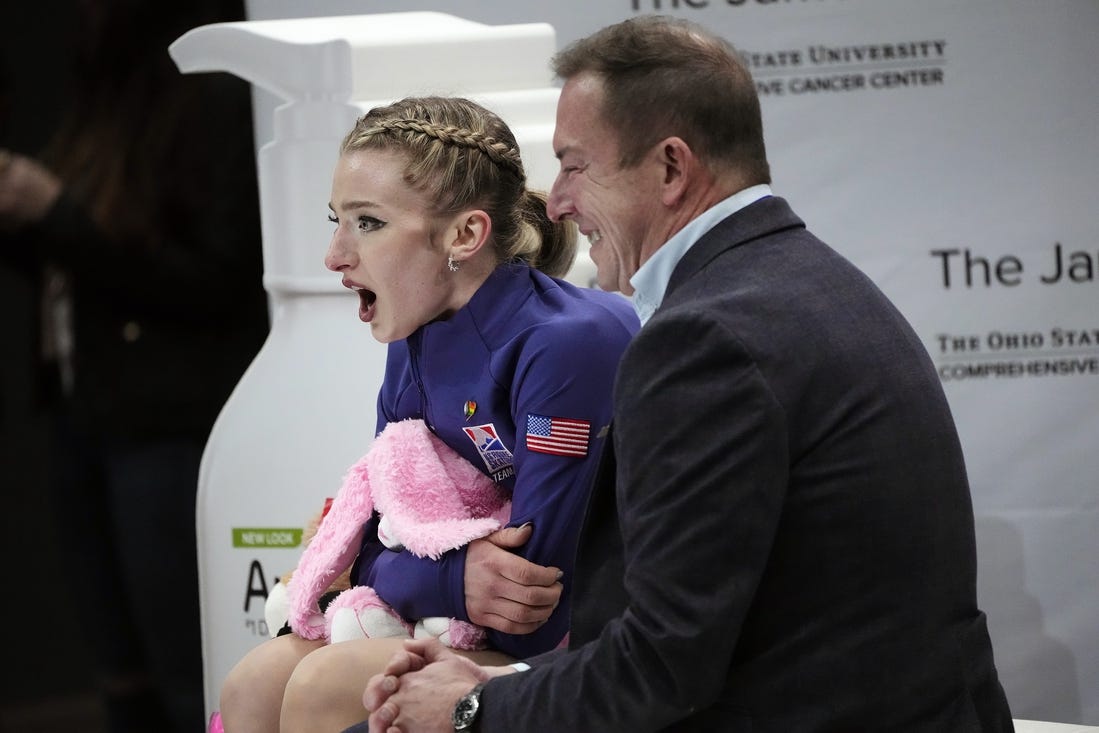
(558, 436)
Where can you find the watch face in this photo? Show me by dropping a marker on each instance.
(465, 712)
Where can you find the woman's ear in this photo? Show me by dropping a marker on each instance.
(467, 234)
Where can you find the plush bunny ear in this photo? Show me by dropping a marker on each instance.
(434, 538)
(331, 551)
(433, 499)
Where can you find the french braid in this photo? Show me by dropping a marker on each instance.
(501, 154)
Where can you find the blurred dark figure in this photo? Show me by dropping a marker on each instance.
(139, 223)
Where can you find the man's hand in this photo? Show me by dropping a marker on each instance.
(420, 687)
(506, 592)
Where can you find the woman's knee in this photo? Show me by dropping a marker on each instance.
(328, 684)
(242, 684)
(326, 671)
(253, 689)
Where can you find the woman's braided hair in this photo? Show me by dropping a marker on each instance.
(464, 156)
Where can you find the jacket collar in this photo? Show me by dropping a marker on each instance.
(762, 218)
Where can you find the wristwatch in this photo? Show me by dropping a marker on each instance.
(465, 711)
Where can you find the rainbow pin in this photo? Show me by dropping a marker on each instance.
(469, 408)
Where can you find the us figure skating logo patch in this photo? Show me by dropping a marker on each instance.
(498, 459)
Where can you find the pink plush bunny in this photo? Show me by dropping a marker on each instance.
(429, 500)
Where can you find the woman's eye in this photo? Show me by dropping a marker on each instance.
(332, 218)
(370, 224)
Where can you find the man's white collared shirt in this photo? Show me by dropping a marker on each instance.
(651, 279)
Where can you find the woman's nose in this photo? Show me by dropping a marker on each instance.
(336, 258)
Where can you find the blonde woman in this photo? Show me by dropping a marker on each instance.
(456, 265)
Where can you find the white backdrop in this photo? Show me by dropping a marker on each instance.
(951, 149)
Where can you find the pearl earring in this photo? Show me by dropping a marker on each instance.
(452, 264)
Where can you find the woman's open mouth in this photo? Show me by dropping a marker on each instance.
(367, 301)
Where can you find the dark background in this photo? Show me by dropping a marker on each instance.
(47, 686)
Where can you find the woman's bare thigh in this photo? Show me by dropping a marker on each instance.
(325, 691)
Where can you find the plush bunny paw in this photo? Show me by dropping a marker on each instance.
(358, 613)
(451, 632)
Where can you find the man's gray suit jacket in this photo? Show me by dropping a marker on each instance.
(780, 536)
